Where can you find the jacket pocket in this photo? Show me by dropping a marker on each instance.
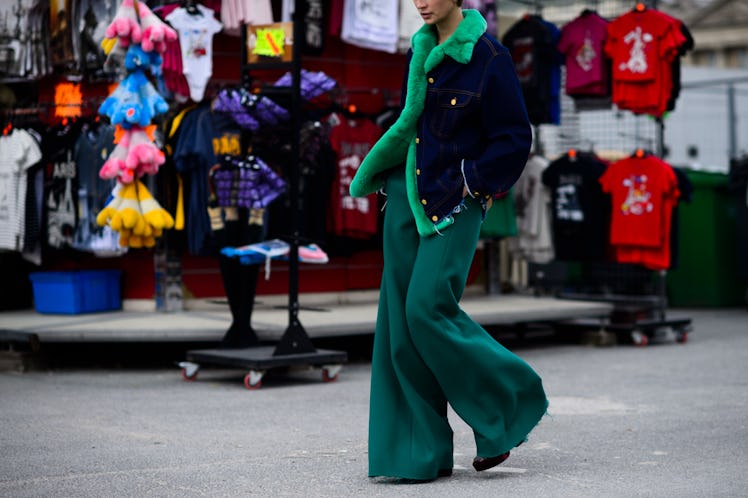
(452, 108)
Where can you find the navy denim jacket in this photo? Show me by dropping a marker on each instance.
(474, 130)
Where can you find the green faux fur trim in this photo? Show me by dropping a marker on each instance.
(393, 149)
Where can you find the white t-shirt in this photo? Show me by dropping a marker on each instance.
(18, 152)
(196, 43)
(531, 204)
(370, 24)
(234, 13)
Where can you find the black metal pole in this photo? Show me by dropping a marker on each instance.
(295, 339)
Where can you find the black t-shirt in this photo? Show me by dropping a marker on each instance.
(533, 50)
(60, 203)
(579, 207)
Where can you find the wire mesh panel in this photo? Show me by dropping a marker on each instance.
(610, 133)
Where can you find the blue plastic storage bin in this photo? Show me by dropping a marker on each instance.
(74, 292)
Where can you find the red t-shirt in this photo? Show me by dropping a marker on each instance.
(354, 217)
(638, 42)
(639, 188)
(642, 46)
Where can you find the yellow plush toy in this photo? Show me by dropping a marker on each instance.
(155, 216)
(136, 215)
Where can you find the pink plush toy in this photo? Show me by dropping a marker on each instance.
(125, 25)
(134, 156)
(143, 156)
(156, 33)
(115, 163)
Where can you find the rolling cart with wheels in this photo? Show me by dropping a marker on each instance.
(294, 348)
(258, 360)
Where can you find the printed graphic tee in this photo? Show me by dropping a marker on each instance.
(641, 190)
(19, 153)
(582, 43)
(354, 217)
(580, 209)
(196, 42)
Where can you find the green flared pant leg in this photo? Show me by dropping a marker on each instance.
(428, 352)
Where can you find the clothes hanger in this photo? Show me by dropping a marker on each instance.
(191, 7)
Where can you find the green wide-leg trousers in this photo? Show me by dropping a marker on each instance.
(428, 353)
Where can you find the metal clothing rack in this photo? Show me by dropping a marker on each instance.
(294, 347)
(641, 316)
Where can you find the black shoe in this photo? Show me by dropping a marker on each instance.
(440, 473)
(480, 463)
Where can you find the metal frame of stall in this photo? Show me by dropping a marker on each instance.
(640, 318)
(294, 348)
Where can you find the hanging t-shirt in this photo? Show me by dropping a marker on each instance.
(532, 202)
(354, 217)
(642, 46)
(24, 37)
(580, 210)
(234, 13)
(582, 43)
(193, 156)
(371, 25)
(196, 43)
(92, 149)
(18, 152)
(533, 51)
(317, 170)
(60, 184)
(639, 188)
(92, 17)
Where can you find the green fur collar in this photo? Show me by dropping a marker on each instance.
(393, 148)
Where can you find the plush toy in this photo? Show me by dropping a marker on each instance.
(124, 107)
(135, 42)
(143, 156)
(153, 100)
(134, 102)
(115, 164)
(125, 25)
(135, 215)
(134, 155)
(113, 202)
(156, 33)
(137, 57)
(128, 214)
(155, 216)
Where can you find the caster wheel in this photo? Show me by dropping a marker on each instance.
(189, 370)
(639, 338)
(189, 377)
(330, 373)
(326, 377)
(253, 380)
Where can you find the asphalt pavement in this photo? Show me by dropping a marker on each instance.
(665, 420)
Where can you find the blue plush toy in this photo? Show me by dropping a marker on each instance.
(137, 58)
(134, 102)
(124, 107)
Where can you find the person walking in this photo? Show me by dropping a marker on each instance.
(462, 137)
